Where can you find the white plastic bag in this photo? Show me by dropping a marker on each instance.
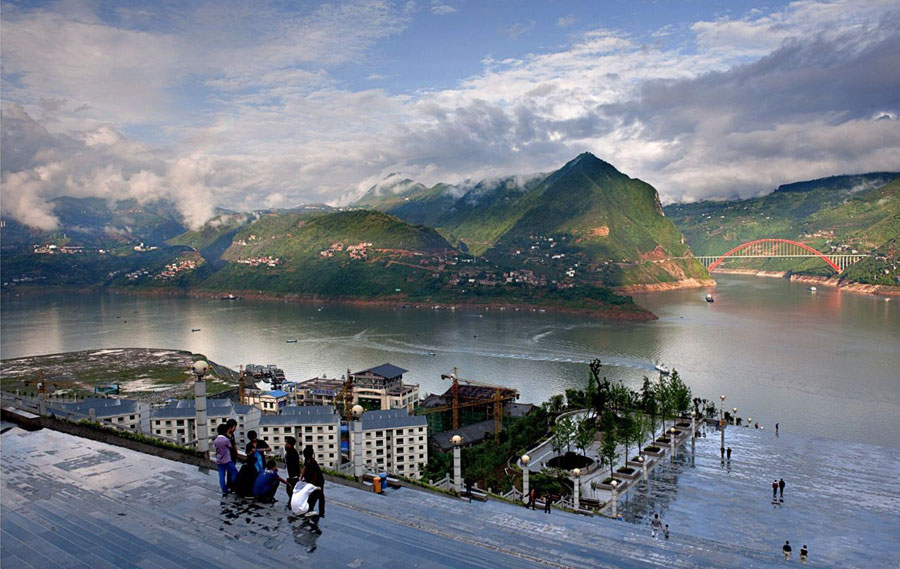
(300, 497)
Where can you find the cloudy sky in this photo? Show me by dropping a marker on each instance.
(274, 104)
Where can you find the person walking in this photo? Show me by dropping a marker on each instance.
(227, 472)
(774, 489)
(776, 429)
(728, 453)
(786, 549)
(781, 487)
(530, 503)
(655, 526)
(547, 504)
(804, 553)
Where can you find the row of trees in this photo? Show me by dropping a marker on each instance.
(619, 414)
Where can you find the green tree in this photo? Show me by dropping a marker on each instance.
(608, 449)
(641, 429)
(681, 394)
(620, 397)
(568, 428)
(584, 436)
(556, 405)
(628, 432)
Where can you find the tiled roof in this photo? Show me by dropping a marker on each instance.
(391, 419)
(310, 419)
(384, 370)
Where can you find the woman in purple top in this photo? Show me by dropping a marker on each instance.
(223, 459)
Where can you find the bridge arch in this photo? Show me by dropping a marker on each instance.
(749, 244)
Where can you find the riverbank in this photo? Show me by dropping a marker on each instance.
(629, 313)
(661, 287)
(856, 288)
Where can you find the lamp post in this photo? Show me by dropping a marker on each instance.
(457, 468)
(722, 423)
(358, 469)
(576, 472)
(643, 468)
(749, 420)
(734, 416)
(525, 471)
(200, 369)
(672, 443)
(614, 500)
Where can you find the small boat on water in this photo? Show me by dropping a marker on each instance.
(709, 298)
(812, 289)
(663, 370)
(291, 341)
(230, 297)
(195, 329)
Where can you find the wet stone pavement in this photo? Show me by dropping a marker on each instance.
(70, 502)
(840, 499)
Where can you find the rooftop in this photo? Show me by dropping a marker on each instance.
(387, 371)
(391, 419)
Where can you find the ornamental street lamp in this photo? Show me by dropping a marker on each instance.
(614, 500)
(672, 442)
(358, 468)
(200, 369)
(576, 472)
(734, 416)
(643, 468)
(457, 467)
(722, 423)
(749, 421)
(525, 471)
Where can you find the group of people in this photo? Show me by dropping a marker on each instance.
(259, 477)
(532, 499)
(786, 549)
(778, 488)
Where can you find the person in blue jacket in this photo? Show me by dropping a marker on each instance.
(267, 483)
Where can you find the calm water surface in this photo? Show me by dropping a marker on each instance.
(821, 363)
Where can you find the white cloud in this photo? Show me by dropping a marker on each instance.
(442, 9)
(767, 98)
(566, 21)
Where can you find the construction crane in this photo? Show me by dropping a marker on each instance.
(497, 400)
(42, 389)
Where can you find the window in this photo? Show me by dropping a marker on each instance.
(179, 422)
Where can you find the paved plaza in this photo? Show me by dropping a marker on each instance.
(71, 502)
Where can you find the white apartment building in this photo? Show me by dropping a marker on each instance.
(127, 413)
(316, 425)
(177, 421)
(394, 441)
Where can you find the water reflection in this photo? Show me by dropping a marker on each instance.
(245, 519)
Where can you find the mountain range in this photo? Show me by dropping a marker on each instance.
(564, 238)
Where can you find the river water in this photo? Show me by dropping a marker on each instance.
(822, 363)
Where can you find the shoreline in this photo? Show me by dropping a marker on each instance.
(832, 282)
(663, 287)
(636, 314)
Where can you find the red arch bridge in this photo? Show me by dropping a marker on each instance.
(780, 248)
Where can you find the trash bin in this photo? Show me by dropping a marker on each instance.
(376, 484)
